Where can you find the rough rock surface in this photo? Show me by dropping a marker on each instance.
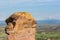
(20, 26)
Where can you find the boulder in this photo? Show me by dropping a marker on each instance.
(20, 26)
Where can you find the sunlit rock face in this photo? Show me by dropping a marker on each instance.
(20, 26)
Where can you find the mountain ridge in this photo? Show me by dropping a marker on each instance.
(49, 21)
(46, 21)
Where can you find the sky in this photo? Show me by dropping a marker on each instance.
(39, 9)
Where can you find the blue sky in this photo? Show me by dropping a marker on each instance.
(40, 9)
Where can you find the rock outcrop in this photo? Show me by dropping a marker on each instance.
(20, 26)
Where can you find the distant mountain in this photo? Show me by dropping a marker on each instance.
(49, 21)
(46, 21)
(50, 25)
(2, 23)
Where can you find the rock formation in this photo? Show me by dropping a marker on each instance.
(20, 26)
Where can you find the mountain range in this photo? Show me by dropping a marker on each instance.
(49, 21)
(46, 21)
(2, 23)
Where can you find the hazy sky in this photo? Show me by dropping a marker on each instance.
(40, 9)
